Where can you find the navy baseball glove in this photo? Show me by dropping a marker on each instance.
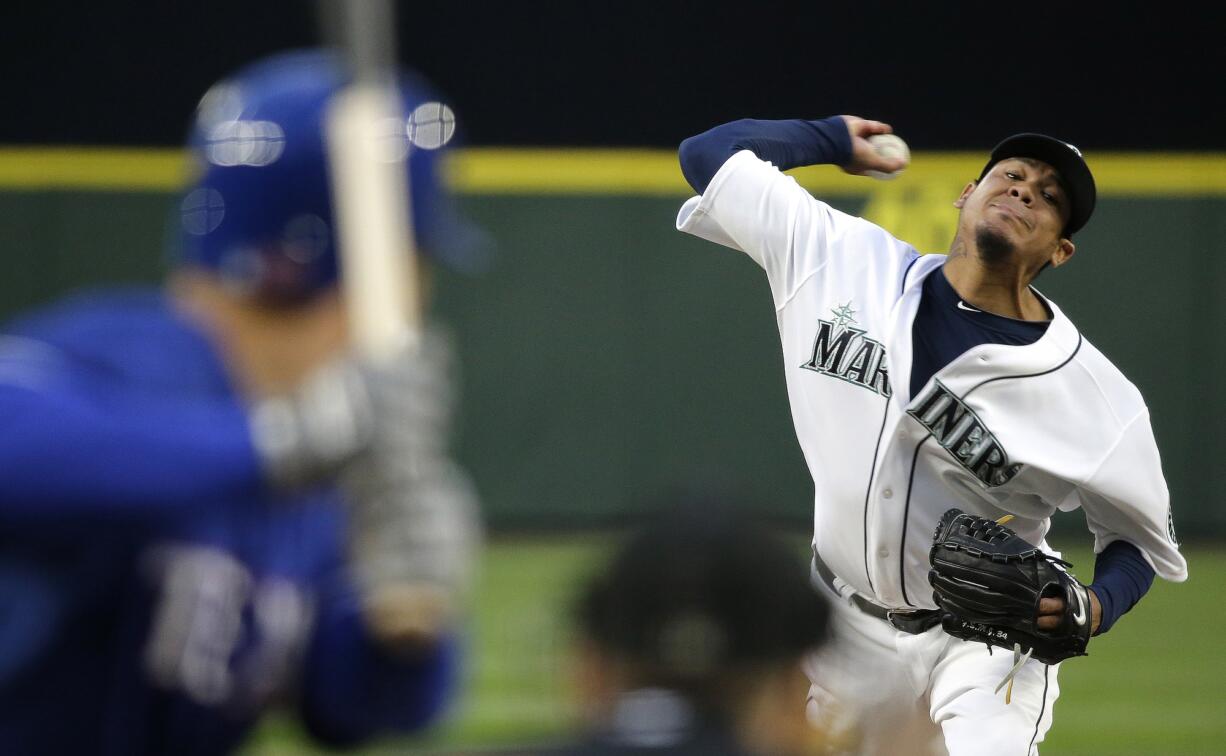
(988, 582)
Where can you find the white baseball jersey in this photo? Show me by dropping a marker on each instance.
(1024, 430)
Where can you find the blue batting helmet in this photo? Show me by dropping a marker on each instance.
(259, 212)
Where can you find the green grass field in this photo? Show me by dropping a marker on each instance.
(1151, 686)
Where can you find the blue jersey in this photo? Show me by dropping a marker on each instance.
(155, 595)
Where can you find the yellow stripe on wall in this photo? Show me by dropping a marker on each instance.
(655, 172)
(118, 169)
(482, 170)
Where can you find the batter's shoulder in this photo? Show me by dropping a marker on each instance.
(82, 315)
(128, 334)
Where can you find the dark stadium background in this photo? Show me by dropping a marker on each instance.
(609, 356)
(951, 75)
(635, 294)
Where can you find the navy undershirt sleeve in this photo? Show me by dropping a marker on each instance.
(1121, 578)
(786, 144)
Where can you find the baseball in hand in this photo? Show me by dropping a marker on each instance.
(888, 146)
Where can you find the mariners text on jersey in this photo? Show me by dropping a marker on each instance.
(846, 353)
(957, 428)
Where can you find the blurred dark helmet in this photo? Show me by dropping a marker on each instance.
(259, 210)
(701, 592)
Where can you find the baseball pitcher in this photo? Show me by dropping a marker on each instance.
(946, 409)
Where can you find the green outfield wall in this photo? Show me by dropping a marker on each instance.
(607, 357)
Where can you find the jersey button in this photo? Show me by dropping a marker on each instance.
(883, 553)
(888, 493)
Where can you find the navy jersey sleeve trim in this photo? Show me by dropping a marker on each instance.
(872, 474)
(906, 514)
(1067, 360)
(902, 287)
(1042, 708)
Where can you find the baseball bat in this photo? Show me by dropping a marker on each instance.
(368, 149)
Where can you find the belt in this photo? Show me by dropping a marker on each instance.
(914, 621)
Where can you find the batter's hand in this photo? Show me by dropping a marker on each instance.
(397, 409)
(1051, 613)
(863, 156)
(413, 526)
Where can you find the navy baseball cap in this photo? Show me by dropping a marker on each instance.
(1075, 175)
(259, 211)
